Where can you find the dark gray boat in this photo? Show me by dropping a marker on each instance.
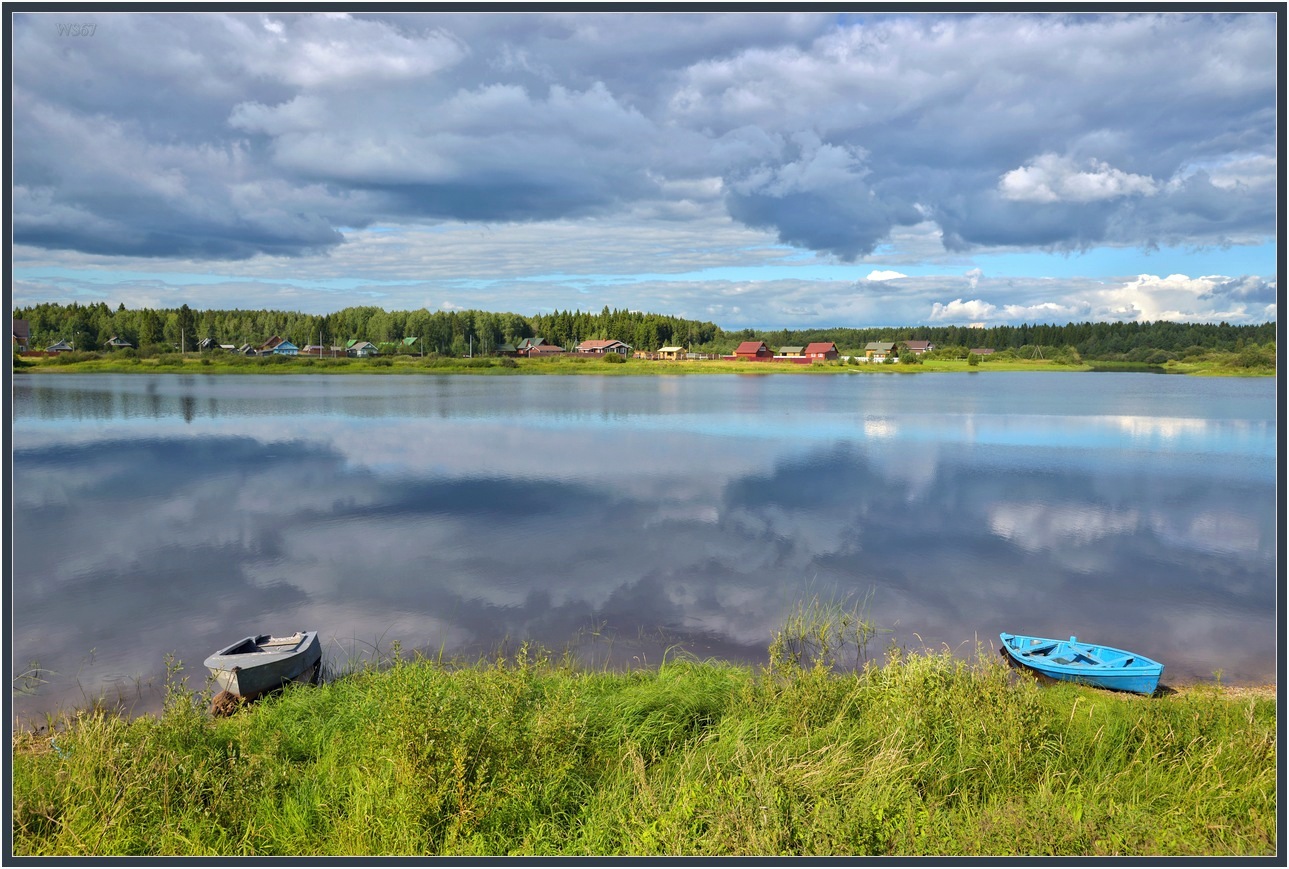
(254, 665)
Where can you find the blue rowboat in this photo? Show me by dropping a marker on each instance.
(255, 665)
(1085, 663)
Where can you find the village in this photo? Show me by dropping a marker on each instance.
(532, 348)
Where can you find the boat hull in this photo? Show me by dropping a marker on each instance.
(255, 665)
(1085, 663)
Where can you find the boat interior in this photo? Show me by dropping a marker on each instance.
(265, 643)
(1068, 654)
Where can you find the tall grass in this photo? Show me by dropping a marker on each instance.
(920, 753)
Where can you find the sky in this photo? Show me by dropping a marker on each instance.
(760, 170)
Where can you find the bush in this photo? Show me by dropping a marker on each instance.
(1254, 356)
(381, 361)
(614, 358)
(73, 356)
(507, 362)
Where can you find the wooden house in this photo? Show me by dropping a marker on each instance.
(918, 347)
(599, 347)
(537, 347)
(791, 351)
(671, 353)
(360, 349)
(60, 347)
(877, 351)
(115, 343)
(21, 336)
(753, 350)
(818, 351)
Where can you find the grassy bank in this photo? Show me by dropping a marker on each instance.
(921, 754)
(561, 365)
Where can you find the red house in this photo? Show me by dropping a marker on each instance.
(753, 350)
(819, 350)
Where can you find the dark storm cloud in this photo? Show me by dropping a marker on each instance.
(223, 136)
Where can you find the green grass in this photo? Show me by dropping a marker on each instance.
(921, 753)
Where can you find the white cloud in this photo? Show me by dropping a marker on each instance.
(1182, 298)
(1145, 298)
(1050, 178)
(959, 311)
(884, 275)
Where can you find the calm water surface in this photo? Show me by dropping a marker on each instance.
(176, 513)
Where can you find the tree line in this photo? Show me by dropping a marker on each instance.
(90, 327)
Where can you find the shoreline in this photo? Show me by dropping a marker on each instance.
(507, 366)
(150, 692)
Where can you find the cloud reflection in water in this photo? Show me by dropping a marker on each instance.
(524, 512)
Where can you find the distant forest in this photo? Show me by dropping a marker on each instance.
(90, 327)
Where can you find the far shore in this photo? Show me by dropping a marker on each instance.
(194, 363)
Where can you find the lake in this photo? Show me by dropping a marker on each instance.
(631, 517)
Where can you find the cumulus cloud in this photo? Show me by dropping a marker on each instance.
(1003, 130)
(1051, 178)
(960, 311)
(1144, 298)
(1187, 299)
(884, 275)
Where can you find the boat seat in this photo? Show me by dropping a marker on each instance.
(1080, 658)
(1039, 650)
(293, 640)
